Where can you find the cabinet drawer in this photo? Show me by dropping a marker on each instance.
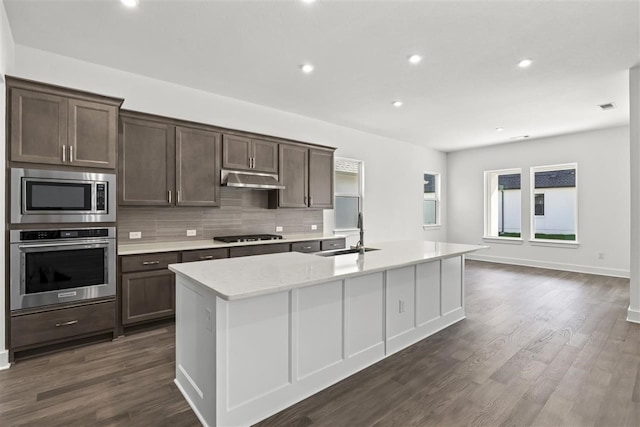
(313, 246)
(205, 254)
(258, 249)
(328, 245)
(63, 323)
(148, 262)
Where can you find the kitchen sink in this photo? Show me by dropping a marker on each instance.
(344, 251)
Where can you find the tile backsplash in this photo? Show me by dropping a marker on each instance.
(242, 211)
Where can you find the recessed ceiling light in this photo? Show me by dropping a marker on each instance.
(308, 1)
(415, 58)
(525, 63)
(306, 68)
(608, 106)
(397, 104)
(499, 129)
(129, 3)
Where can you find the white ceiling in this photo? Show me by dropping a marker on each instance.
(467, 85)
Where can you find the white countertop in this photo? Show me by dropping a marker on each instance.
(235, 278)
(187, 245)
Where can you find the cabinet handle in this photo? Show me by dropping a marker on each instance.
(150, 262)
(64, 154)
(69, 323)
(169, 196)
(71, 154)
(178, 196)
(310, 200)
(333, 245)
(252, 162)
(306, 247)
(207, 257)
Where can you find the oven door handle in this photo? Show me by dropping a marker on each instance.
(92, 243)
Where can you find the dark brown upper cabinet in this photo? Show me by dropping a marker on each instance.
(60, 126)
(307, 174)
(243, 153)
(197, 167)
(165, 162)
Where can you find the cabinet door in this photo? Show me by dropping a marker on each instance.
(236, 152)
(197, 167)
(265, 156)
(321, 179)
(92, 134)
(38, 127)
(293, 174)
(146, 167)
(271, 248)
(148, 295)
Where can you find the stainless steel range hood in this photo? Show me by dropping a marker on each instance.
(258, 181)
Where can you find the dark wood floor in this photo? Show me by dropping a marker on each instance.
(538, 347)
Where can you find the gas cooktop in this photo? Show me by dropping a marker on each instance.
(247, 238)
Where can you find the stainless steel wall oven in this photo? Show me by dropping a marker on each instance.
(61, 265)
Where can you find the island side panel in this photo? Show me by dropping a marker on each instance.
(195, 347)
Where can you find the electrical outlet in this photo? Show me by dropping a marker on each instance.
(135, 235)
(600, 255)
(400, 306)
(314, 227)
(191, 232)
(278, 229)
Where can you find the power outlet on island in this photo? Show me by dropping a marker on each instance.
(400, 306)
(191, 233)
(278, 229)
(135, 235)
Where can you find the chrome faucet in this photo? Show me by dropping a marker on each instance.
(360, 244)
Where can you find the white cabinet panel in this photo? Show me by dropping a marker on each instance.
(365, 311)
(427, 291)
(451, 284)
(400, 301)
(319, 327)
(258, 346)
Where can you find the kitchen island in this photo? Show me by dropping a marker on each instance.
(255, 335)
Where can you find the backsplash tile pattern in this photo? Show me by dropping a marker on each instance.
(242, 211)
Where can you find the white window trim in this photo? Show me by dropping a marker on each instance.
(487, 219)
(532, 235)
(439, 222)
(360, 189)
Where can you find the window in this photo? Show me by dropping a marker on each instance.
(431, 200)
(554, 196)
(539, 204)
(502, 204)
(349, 190)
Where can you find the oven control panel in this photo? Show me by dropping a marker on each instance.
(81, 233)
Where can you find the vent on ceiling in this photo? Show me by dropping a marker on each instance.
(606, 107)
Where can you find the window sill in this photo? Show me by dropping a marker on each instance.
(507, 240)
(432, 227)
(554, 243)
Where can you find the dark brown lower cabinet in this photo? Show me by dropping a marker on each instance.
(148, 295)
(273, 248)
(61, 324)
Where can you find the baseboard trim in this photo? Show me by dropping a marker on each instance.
(552, 265)
(4, 360)
(633, 316)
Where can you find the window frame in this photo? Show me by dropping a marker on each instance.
(360, 194)
(487, 206)
(438, 223)
(532, 179)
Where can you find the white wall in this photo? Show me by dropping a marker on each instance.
(393, 169)
(603, 202)
(633, 314)
(7, 48)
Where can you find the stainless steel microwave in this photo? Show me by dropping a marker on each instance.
(51, 196)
